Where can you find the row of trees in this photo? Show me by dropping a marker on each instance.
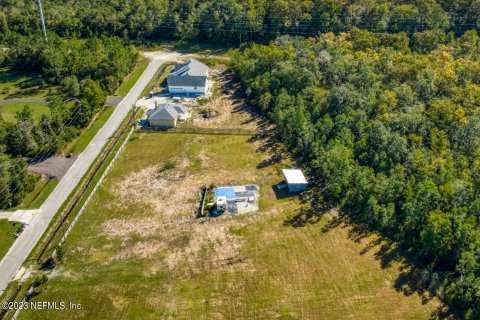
(65, 62)
(28, 139)
(84, 70)
(393, 137)
(236, 21)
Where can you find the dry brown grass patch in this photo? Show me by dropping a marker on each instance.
(211, 245)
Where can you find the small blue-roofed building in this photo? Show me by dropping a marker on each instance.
(237, 199)
(295, 180)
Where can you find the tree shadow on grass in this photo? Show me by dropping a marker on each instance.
(412, 277)
(311, 211)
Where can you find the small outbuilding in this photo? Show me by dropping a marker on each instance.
(295, 180)
(167, 115)
(188, 78)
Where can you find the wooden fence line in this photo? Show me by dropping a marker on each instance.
(231, 131)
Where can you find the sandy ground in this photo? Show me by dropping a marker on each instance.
(229, 104)
(170, 228)
(19, 215)
(53, 167)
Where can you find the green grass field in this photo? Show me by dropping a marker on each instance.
(79, 144)
(131, 79)
(138, 253)
(19, 85)
(8, 110)
(7, 231)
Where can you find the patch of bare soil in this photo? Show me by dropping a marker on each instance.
(170, 227)
(211, 245)
(53, 167)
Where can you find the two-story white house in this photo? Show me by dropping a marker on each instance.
(188, 78)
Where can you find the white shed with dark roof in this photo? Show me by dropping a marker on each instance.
(188, 78)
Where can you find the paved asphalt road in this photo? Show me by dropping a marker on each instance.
(24, 244)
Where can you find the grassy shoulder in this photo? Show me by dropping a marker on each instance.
(158, 81)
(138, 247)
(132, 78)
(87, 134)
(7, 231)
(35, 199)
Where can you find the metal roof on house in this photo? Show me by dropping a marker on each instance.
(167, 112)
(190, 74)
(294, 176)
(192, 68)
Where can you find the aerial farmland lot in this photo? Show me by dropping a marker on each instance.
(139, 252)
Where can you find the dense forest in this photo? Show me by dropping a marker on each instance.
(234, 21)
(84, 71)
(391, 135)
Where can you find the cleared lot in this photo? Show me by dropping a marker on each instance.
(137, 252)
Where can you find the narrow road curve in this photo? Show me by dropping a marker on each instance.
(25, 243)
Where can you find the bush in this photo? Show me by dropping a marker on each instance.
(6, 90)
(40, 280)
(60, 253)
(169, 165)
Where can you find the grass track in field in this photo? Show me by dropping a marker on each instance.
(121, 262)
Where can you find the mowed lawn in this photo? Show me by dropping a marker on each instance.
(10, 109)
(138, 253)
(21, 85)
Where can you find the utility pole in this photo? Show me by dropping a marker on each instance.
(44, 31)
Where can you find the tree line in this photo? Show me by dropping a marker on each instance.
(84, 71)
(391, 135)
(232, 21)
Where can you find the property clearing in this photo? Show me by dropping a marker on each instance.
(14, 85)
(10, 109)
(139, 253)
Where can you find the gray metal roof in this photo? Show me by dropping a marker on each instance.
(190, 74)
(167, 112)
